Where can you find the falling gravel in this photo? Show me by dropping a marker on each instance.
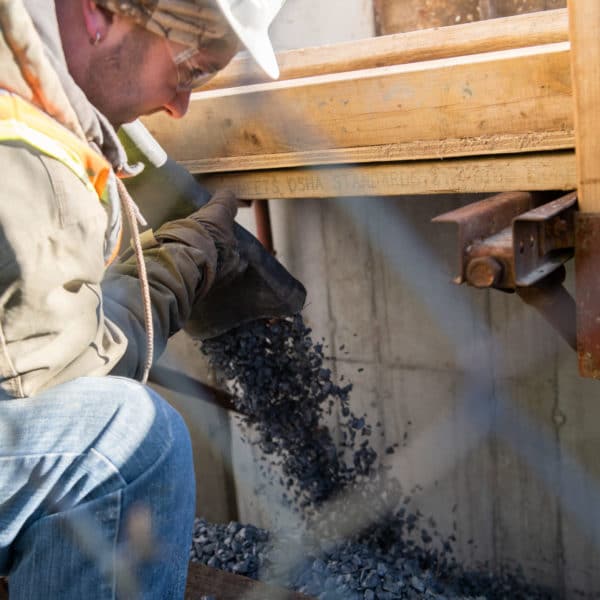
(279, 383)
(362, 539)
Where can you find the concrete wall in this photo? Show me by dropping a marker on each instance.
(501, 433)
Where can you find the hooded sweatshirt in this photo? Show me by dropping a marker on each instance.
(62, 313)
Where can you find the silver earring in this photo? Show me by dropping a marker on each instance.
(97, 39)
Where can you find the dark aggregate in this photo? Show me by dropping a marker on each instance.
(281, 385)
(382, 563)
(232, 547)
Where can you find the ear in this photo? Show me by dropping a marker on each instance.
(97, 20)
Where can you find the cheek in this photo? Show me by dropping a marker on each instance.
(156, 87)
(155, 71)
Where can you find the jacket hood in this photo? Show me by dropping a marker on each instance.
(96, 128)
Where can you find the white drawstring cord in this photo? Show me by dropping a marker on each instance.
(133, 218)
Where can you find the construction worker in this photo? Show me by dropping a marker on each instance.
(96, 476)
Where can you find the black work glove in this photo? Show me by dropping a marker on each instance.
(210, 229)
(217, 218)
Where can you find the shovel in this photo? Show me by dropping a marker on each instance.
(165, 191)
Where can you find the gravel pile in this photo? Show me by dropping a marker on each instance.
(398, 558)
(369, 543)
(384, 563)
(234, 547)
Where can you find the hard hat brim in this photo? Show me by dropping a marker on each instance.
(257, 42)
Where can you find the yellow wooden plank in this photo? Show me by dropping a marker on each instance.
(584, 26)
(407, 15)
(534, 171)
(447, 148)
(512, 7)
(457, 40)
(497, 102)
(206, 581)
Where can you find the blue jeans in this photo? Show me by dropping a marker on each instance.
(97, 493)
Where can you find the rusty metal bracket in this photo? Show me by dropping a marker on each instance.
(482, 220)
(515, 243)
(543, 239)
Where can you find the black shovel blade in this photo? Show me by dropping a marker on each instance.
(265, 289)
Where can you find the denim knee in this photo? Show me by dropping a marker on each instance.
(100, 434)
(145, 432)
(105, 446)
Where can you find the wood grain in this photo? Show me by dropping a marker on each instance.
(407, 15)
(492, 103)
(401, 48)
(205, 581)
(541, 171)
(584, 19)
(502, 8)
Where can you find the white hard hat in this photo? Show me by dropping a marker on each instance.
(250, 20)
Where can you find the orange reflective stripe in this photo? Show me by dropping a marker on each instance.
(23, 122)
(115, 251)
(19, 113)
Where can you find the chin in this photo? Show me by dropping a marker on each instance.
(119, 120)
(124, 121)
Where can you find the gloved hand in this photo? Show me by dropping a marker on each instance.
(210, 229)
(217, 217)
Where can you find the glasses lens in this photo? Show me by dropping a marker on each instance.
(191, 74)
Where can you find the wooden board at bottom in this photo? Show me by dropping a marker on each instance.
(393, 16)
(531, 171)
(206, 581)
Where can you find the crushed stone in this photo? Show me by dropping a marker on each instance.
(361, 536)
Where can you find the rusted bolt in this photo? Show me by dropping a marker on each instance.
(484, 272)
(560, 227)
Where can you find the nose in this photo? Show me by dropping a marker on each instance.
(178, 105)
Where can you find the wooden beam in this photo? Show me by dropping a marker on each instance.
(393, 16)
(512, 7)
(457, 40)
(543, 171)
(493, 103)
(410, 15)
(206, 581)
(585, 40)
(584, 25)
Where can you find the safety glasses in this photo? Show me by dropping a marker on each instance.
(190, 73)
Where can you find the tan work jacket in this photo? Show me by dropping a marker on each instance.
(62, 314)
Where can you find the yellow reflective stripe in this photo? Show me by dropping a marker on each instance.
(38, 129)
(17, 131)
(21, 121)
